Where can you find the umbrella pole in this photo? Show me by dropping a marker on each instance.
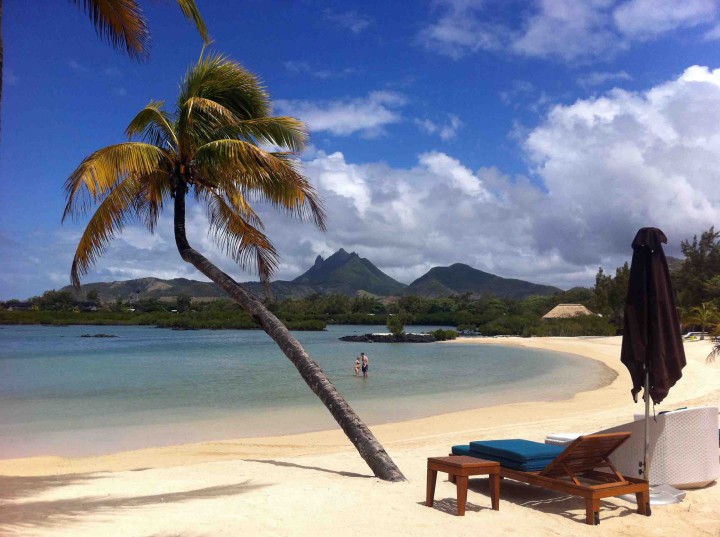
(646, 470)
(661, 494)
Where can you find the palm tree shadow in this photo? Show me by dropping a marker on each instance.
(14, 487)
(304, 467)
(18, 516)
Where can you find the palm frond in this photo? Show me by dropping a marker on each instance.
(235, 198)
(714, 354)
(283, 132)
(102, 171)
(245, 243)
(220, 79)
(121, 23)
(149, 203)
(108, 220)
(153, 125)
(191, 11)
(199, 120)
(240, 165)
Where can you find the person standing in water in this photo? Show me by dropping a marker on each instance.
(357, 366)
(365, 364)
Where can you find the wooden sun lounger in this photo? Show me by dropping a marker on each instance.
(576, 471)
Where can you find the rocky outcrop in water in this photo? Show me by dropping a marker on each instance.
(389, 338)
(98, 335)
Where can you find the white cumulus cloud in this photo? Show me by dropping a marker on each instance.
(628, 160)
(365, 115)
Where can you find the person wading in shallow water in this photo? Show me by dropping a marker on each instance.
(357, 366)
(365, 364)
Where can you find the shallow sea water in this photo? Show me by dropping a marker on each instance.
(63, 394)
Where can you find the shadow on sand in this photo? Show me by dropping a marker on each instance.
(315, 468)
(18, 515)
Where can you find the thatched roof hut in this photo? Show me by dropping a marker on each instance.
(566, 311)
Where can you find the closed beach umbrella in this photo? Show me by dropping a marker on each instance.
(652, 348)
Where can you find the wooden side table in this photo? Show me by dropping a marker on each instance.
(459, 468)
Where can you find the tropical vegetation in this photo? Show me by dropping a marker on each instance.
(216, 145)
(705, 315)
(697, 282)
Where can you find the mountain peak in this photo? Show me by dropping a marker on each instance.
(341, 254)
(458, 279)
(348, 273)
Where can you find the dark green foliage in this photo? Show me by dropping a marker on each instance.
(335, 304)
(444, 335)
(414, 304)
(55, 301)
(151, 305)
(698, 278)
(609, 294)
(367, 304)
(507, 325)
(586, 325)
(396, 323)
(183, 303)
(161, 319)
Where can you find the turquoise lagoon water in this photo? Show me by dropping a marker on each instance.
(63, 394)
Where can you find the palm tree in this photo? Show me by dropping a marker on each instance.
(704, 315)
(121, 22)
(715, 352)
(210, 146)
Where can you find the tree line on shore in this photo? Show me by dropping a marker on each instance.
(696, 281)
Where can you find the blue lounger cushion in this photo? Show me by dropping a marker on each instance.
(528, 466)
(530, 459)
(517, 450)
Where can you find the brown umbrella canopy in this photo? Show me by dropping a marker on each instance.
(651, 333)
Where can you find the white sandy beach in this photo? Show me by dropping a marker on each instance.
(317, 484)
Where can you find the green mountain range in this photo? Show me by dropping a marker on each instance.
(343, 273)
(459, 279)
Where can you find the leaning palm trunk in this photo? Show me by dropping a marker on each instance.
(367, 445)
(210, 146)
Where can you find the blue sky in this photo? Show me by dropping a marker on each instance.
(530, 139)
